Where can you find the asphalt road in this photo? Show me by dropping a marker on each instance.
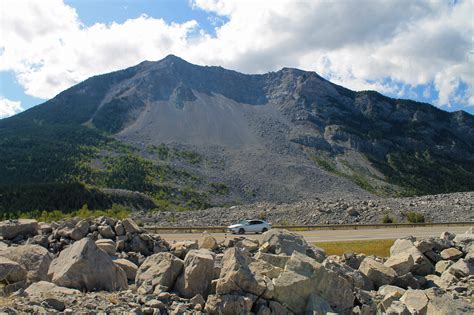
(337, 235)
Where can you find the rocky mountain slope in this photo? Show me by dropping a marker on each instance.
(104, 265)
(206, 135)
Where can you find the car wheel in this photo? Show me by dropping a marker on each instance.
(241, 231)
(264, 230)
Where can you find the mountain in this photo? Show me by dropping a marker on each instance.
(188, 136)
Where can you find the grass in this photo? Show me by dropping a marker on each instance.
(368, 247)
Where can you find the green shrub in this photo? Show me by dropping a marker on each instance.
(388, 219)
(415, 217)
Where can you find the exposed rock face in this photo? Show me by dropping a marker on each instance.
(197, 274)
(160, 270)
(33, 258)
(84, 266)
(22, 227)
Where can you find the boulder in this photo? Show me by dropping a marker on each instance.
(377, 272)
(441, 303)
(11, 229)
(34, 259)
(464, 238)
(236, 276)
(447, 236)
(181, 248)
(263, 268)
(442, 266)
(284, 242)
(84, 266)
(278, 309)
(275, 260)
(304, 276)
(48, 288)
(81, 230)
(391, 289)
(355, 277)
(11, 271)
(247, 244)
(228, 304)
(422, 266)
(197, 274)
(127, 266)
(107, 245)
(451, 254)
(461, 269)
(119, 229)
(131, 226)
(106, 231)
(140, 243)
(160, 269)
(416, 301)
(407, 281)
(208, 241)
(397, 308)
(316, 305)
(401, 263)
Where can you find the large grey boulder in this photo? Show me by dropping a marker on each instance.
(416, 301)
(129, 267)
(462, 268)
(11, 229)
(11, 271)
(159, 270)
(236, 276)
(197, 274)
(228, 304)
(401, 263)
(273, 259)
(422, 265)
(451, 254)
(208, 241)
(34, 259)
(284, 242)
(303, 276)
(181, 248)
(106, 231)
(377, 272)
(131, 226)
(107, 245)
(316, 305)
(40, 288)
(84, 266)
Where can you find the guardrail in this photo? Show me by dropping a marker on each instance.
(181, 229)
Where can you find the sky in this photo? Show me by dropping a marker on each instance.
(422, 50)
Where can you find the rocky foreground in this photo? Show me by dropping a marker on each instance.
(453, 207)
(104, 265)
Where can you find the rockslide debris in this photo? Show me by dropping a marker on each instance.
(106, 265)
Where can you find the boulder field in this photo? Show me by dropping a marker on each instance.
(104, 265)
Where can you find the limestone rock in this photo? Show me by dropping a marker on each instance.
(416, 301)
(48, 288)
(377, 272)
(106, 231)
(247, 244)
(275, 260)
(228, 304)
(197, 274)
(11, 271)
(84, 266)
(107, 245)
(461, 268)
(208, 242)
(284, 242)
(316, 305)
(442, 266)
(10, 229)
(131, 226)
(236, 276)
(129, 267)
(181, 248)
(34, 259)
(451, 254)
(401, 263)
(160, 269)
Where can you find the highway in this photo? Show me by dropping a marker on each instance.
(338, 235)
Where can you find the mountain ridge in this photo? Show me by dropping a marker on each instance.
(279, 136)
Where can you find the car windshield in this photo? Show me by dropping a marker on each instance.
(244, 221)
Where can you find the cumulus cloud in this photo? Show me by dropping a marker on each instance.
(391, 46)
(9, 108)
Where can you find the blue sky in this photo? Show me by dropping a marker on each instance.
(405, 49)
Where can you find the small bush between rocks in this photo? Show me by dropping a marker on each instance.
(415, 217)
(387, 219)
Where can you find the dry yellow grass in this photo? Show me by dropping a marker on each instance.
(370, 247)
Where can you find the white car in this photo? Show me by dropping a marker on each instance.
(255, 226)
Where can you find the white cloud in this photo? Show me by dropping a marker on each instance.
(9, 108)
(359, 44)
